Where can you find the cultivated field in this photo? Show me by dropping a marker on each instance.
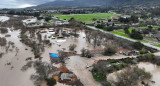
(87, 18)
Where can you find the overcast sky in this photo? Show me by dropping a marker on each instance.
(21, 3)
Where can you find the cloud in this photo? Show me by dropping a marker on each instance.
(25, 5)
(21, 3)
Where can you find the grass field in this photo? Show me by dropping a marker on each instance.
(122, 33)
(158, 45)
(86, 18)
(154, 27)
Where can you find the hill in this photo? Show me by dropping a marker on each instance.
(97, 3)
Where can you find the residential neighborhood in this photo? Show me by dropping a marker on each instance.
(79, 43)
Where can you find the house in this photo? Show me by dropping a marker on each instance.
(66, 76)
(115, 19)
(57, 23)
(126, 16)
(33, 22)
(65, 22)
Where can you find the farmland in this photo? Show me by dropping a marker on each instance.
(86, 18)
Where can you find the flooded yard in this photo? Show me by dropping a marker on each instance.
(148, 67)
(11, 75)
(16, 52)
(11, 64)
(4, 18)
(153, 69)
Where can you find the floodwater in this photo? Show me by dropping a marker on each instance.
(80, 42)
(149, 67)
(11, 75)
(4, 18)
(154, 70)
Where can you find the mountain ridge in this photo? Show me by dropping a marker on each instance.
(94, 3)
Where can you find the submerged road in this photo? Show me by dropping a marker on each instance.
(146, 44)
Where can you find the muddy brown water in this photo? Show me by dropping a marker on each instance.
(154, 70)
(149, 67)
(11, 75)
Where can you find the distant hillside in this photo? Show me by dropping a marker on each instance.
(93, 3)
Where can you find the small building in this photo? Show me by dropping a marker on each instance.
(65, 22)
(57, 23)
(126, 16)
(33, 22)
(115, 19)
(66, 76)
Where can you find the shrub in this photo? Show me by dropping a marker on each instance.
(3, 41)
(51, 82)
(72, 47)
(138, 45)
(86, 53)
(142, 52)
(126, 30)
(100, 26)
(3, 30)
(83, 52)
(136, 35)
(110, 49)
(131, 76)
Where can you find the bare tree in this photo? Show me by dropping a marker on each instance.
(131, 76)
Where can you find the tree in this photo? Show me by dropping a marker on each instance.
(51, 81)
(136, 35)
(138, 45)
(83, 50)
(62, 55)
(100, 26)
(131, 77)
(145, 32)
(126, 30)
(43, 70)
(110, 49)
(134, 19)
(150, 28)
(48, 18)
(110, 28)
(85, 53)
(94, 19)
(12, 12)
(3, 41)
(72, 47)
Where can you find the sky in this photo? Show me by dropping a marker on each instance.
(21, 3)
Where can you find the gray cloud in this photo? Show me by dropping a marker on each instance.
(21, 3)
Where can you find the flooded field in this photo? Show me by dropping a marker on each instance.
(153, 69)
(149, 67)
(11, 64)
(4, 18)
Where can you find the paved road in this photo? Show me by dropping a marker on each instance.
(146, 44)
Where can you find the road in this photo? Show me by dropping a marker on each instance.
(146, 44)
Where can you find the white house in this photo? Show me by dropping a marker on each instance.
(34, 22)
